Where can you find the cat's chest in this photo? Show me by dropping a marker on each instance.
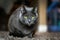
(24, 30)
(21, 27)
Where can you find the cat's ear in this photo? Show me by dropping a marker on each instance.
(22, 9)
(35, 10)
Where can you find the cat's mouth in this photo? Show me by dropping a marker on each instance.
(29, 24)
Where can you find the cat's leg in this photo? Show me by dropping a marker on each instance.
(19, 34)
(11, 30)
(10, 33)
(15, 33)
(30, 35)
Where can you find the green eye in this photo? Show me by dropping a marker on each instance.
(25, 17)
(32, 17)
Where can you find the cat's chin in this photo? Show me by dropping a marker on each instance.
(28, 24)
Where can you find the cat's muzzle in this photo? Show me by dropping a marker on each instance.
(29, 24)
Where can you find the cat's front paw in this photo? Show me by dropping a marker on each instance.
(30, 36)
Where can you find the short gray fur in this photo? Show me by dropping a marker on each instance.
(23, 21)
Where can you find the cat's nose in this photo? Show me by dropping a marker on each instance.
(29, 21)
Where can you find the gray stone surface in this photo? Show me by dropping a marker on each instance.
(42, 36)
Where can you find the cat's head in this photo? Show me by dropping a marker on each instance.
(28, 15)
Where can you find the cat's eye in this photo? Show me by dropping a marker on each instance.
(25, 17)
(33, 18)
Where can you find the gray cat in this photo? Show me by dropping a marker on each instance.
(23, 21)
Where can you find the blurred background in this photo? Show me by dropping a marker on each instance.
(53, 15)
